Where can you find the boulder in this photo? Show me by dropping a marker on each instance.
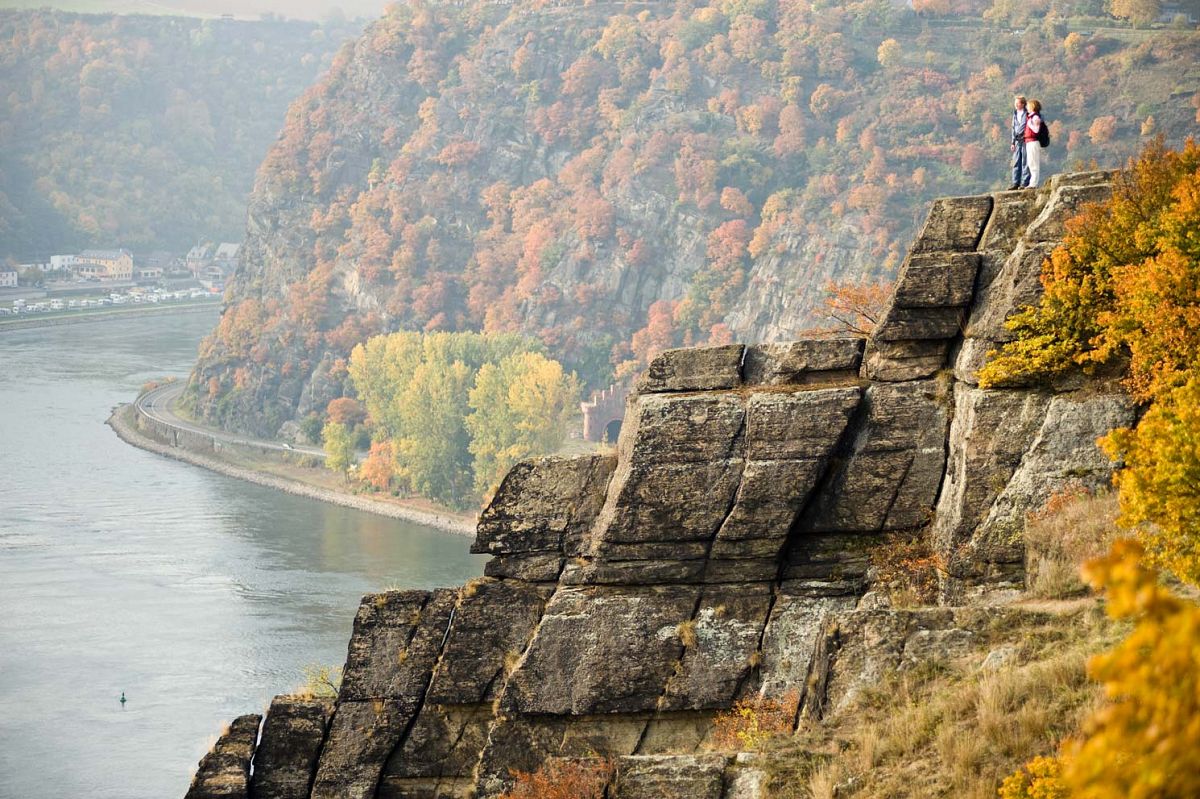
(396, 641)
(899, 361)
(1064, 203)
(790, 637)
(1063, 456)
(493, 622)
(954, 224)
(858, 651)
(602, 650)
(936, 280)
(800, 362)
(889, 477)
(990, 433)
(720, 644)
(544, 506)
(658, 776)
(694, 369)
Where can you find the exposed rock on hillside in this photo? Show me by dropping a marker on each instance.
(722, 553)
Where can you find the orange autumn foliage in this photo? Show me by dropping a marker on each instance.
(562, 779)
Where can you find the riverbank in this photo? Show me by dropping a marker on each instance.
(124, 423)
(75, 317)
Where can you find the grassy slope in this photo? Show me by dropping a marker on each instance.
(953, 729)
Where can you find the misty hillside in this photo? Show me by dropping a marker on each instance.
(142, 132)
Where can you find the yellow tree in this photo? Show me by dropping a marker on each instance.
(1141, 744)
(520, 408)
(1139, 12)
(339, 447)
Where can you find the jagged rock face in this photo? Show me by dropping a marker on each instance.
(224, 772)
(721, 552)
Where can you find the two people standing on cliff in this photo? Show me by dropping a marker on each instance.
(1029, 136)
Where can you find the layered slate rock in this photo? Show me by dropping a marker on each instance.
(857, 651)
(285, 761)
(804, 362)
(706, 480)
(723, 552)
(933, 291)
(889, 476)
(224, 772)
(540, 515)
(396, 641)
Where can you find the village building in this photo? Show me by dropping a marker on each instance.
(8, 277)
(63, 263)
(227, 254)
(116, 264)
(198, 257)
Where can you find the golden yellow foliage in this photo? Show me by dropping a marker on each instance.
(1142, 744)
(1077, 323)
(1040, 778)
(752, 722)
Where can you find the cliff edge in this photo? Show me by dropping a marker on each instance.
(721, 553)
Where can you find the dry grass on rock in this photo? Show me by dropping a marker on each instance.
(951, 728)
(1073, 528)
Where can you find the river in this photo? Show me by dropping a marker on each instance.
(199, 596)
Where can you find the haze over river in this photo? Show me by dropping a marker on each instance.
(198, 595)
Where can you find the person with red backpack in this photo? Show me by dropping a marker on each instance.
(1037, 136)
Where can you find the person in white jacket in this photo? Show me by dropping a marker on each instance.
(1033, 148)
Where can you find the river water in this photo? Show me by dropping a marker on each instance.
(198, 595)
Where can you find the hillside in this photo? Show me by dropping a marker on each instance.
(143, 132)
(616, 179)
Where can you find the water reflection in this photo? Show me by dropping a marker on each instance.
(198, 595)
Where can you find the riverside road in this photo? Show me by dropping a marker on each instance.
(159, 404)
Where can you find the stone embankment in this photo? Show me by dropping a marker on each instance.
(137, 429)
(722, 553)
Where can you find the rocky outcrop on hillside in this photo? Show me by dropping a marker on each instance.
(722, 552)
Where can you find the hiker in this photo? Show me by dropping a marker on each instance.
(1020, 168)
(1034, 142)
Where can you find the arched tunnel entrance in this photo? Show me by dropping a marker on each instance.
(611, 431)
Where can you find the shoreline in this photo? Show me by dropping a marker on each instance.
(79, 317)
(127, 431)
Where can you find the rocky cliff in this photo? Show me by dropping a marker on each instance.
(722, 552)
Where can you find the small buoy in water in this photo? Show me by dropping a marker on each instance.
(122, 699)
